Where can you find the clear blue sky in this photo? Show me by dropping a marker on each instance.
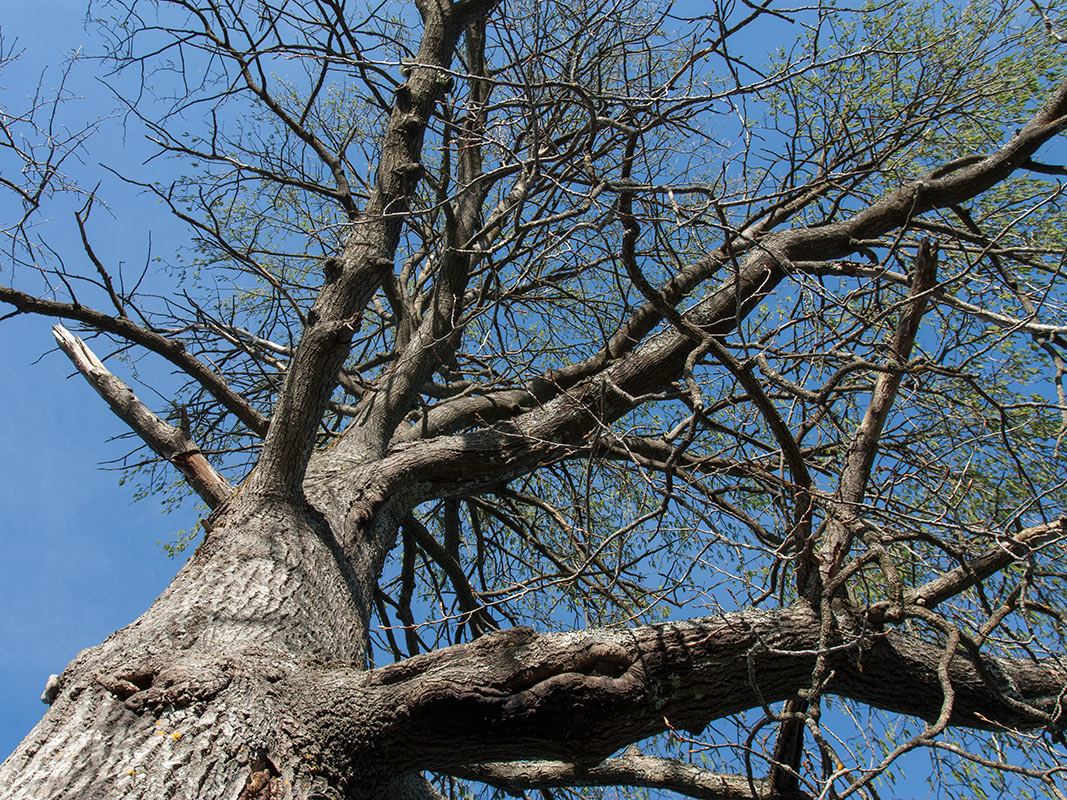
(77, 559)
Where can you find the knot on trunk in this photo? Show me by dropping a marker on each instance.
(264, 781)
(178, 685)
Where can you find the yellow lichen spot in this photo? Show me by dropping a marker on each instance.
(130, 772)
(162, 733)
(175, 735)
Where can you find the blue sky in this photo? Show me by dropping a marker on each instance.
(78, 559)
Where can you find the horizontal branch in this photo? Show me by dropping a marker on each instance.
(627, 770)
(518, 695)
(942, 293)
(166, 440)
(173, 351)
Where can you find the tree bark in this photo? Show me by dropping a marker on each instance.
(180, 702)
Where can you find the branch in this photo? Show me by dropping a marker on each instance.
(1045, 169)
(852, 485)
(434, 340)
(977, 569)
(865, 443)
(475, 612)
(944, 297)
(1055, 34)
(818, 584)
(171, 350)
(707, 343)
(366, 258)
(169, 442)
(770, 257)
(568, 406)
(518, 695)
(626, 770)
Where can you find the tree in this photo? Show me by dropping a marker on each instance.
(569, 377)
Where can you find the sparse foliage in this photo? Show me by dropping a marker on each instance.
(724, 346)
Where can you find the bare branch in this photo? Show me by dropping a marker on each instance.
(171, 350)
(367, 255)
(170, 442)
(626, 770)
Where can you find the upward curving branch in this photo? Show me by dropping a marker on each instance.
(603, 390)
(354, 277)
(564, 405)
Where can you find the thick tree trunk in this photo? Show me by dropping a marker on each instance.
(181, 703)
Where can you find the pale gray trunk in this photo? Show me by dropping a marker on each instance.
(179, 704)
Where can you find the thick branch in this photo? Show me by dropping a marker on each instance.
(568, 411)
(852, 486)
(517, 695)
(771, 256)
(368, 255)
(434, 340)
(864, 446)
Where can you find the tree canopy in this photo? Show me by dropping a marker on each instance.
(612, 393)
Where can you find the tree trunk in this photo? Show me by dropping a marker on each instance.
(180, 703)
